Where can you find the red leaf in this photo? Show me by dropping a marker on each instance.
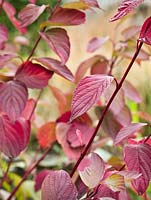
(127, 131)
(14, 137)
(13, 97)
(67, 17)
(58, 41)
(27, 112)
(126, 7)
(100, 67)
(131, 92)
(33, 75)
(11, 11)
(40, 178)
(145, 33)
(56, 66)
(3, 36)
(138, 158)
(30, 13)
(58, 186)
(96, 43)
(90, 62)
(91, 170)
(88, 93)
(46, 134)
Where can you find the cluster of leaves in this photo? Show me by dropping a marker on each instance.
(74, 129)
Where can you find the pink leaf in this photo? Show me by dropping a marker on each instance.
(67, 17)
(30, 13)
(58, 186)
(58, 41)
(32, 1)
(131, 92)
(96, 43)
(91, 170)
(13, 97)
(104, 191)
(14, 137)
(5, 58)
(3, 36)
(145, 33)
(138, 158)
(56, 66)
(11, 11)
(91, 3)
(27, 112)
(127, 131)
(40, 178)
(130, 32)
(33, 75)
(97, 61)
(126, 7)
(88, 93)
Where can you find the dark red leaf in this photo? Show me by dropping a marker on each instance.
(91, 170)
(126, 7)
(145, 33)
(58, 186)
(3, 36)
(96, 43)
(56, 66)
(58, 41)
(88, 93)
(33, 75)
(127, 131)
(138, 158)
(40, 178)
(65, 117)
(30, 13)
(14, 137)
(67, 17)
(11, 11)
(13, 98)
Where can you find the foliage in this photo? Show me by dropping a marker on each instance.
(66, 163)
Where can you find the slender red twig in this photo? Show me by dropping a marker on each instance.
(6, 172)
(106, 109)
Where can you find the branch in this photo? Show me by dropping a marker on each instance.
(5, 174)
(106, 109)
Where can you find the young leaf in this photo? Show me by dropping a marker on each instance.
(33, 75)
(46, 134)
(96, 43)
(91, 170)
(56, 66)
(58, 186)
(145, 33)
(13, 98)
(14, 137)
(138, 158)
(66, 17)
(3, 36)
(30, 13)
(127, 131)
(40, 178)
(90, 62)
(58, 41)
(88, 93)
(126, 7)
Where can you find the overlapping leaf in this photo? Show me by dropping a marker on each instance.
(88, 93)
(33, 75)
(58, 186)
(127, 131)
(138, 158)
(3, 36)
(145, 33)
(58, 41)
(46, 134)
(14, 137)
(30, 13)
(56, 66)
(13, 98)
(91, 170)
(126, 7)
(66, 17)
(28, 110)
(40, 178)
